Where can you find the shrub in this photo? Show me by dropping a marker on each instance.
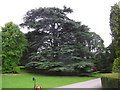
(110, 81)
(116, 65)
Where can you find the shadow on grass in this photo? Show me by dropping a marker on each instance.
(37, 72)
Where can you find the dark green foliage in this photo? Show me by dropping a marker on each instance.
(81, 68)
(43, 66)
(110, 81)
(56, 38)
(105, 59)
(13, 44)
(115, 29)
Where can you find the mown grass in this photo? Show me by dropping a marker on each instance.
(0, 81)
(24, 80)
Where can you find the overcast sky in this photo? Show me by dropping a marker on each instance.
(94, 13)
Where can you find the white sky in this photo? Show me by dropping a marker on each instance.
(94, 13)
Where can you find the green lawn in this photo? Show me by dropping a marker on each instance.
(24, 80)
(0, 81)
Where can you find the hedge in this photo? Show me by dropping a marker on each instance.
(111, 81)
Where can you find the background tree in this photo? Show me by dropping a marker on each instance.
(115, 29)
(59, 44)
(105, 58)
(13, 44)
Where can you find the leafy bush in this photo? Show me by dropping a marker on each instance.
(110, 81)
(116, 65)
(13, 45)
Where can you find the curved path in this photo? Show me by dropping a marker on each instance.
(94, 83)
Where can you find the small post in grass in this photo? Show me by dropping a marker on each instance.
(34, 82)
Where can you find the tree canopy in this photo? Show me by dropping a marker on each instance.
(13, 44)
(115, 29)
(58, 43)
